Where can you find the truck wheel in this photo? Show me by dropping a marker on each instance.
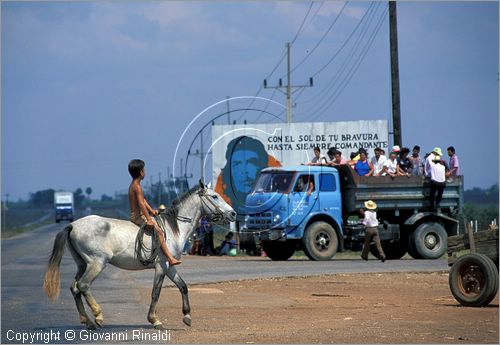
(412, 251)
(278, 250)
(430, 240)
(473, 280)
(393, 250)
(320, 241)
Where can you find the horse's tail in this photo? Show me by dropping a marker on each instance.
(52, 281)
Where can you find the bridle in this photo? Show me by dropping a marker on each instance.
(217, 214)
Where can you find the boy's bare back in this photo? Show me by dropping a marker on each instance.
(134, 193)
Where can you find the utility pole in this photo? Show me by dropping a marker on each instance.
(228, 112)
(288, 86)
(396, 105)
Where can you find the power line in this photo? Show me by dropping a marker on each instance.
(348, 39)
(321, 39)
(302, 24)
(364, 23)
(280, 61)
(367, 20)
(355, 67)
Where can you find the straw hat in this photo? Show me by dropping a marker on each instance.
(370, 205)
(437, 150)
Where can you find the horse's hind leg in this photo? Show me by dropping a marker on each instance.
(181, 285)
(83, 285)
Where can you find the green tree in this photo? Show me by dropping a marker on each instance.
(42, 198)
(79, 197)
(88, 191)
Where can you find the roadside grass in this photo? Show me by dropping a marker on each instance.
(18, 220)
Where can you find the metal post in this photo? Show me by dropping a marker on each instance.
(288, 87)
(201, 156)
(228, 112)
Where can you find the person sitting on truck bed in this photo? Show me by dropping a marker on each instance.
(378, 162)
(404, 163)
(363, 166)
(331, 154)
(371, 223)
(318, 158)
(417, 162)
(391, 166)
(338, 160)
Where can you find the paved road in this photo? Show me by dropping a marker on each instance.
(25, 308)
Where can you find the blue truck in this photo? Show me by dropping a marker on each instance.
(316, 209)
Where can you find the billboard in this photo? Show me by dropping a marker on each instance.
(240, 152)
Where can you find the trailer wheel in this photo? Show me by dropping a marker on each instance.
(430, 240)
(393, 250)
(320, 241)
(473, 280)
(278, 250)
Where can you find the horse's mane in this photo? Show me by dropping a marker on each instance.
(180, 199)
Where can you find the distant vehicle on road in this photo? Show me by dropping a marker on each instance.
(64, 206)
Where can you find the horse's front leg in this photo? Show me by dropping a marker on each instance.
(179, 282)
(160, 270)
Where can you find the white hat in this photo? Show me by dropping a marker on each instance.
(395, 148)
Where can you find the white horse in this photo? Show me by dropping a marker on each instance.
(96, 241)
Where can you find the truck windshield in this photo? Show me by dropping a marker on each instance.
(272, 182)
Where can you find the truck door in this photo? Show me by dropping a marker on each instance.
(329, 200)
(300, 203)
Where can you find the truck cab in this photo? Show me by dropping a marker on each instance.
(286, 201)
(316, 209)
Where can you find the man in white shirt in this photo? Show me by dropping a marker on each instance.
(438, 182)
(318, 158)
(378, 162)
(371, 223)
(428, 161)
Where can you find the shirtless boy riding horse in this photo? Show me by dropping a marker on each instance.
(140, 211)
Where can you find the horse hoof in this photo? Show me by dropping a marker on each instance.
(99, 322)
(160, 327)
(91, 326)
(187, 320)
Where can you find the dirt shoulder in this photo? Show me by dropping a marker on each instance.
(342, 308)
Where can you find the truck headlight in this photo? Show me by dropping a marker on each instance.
(247, 218)
(277, 218)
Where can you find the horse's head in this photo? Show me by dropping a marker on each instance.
(214, 207)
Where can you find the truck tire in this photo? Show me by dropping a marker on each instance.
(320, 241)
(393, 250)
(430, 240)
(278, 250)
(473, 280)
(412, 251)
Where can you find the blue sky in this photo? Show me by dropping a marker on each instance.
(88, 86)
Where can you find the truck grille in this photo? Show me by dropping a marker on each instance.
(261, 220)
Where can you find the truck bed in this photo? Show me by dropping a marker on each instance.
(395, 193)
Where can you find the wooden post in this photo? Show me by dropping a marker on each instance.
(470, 234)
